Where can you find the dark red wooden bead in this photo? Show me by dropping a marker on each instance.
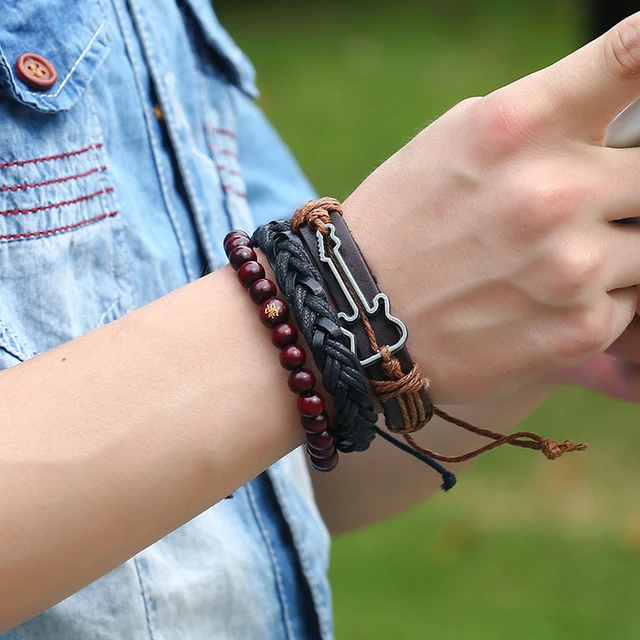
(237, 241)
(249, 272)
(324, 465)
(320, 454)
(321, 441)
(233, 234)
(315, 424)
(284, 334)
(240, 255)
(262, 290)
(311, 405)
(273, 311)
(301, 380)
(292, 357)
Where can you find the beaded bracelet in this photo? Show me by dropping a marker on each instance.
(274, 314)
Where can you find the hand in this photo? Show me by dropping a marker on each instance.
(605, 374)
(615, 373)
(492, 231)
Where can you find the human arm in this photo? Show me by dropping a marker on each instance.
(385, 483)
(115, 439)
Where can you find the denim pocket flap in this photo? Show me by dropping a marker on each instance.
(71, 35)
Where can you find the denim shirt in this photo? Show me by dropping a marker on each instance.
(117, 185)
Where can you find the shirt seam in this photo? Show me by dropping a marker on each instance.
(172, 128)
(274, 562)
(144, 596)
(323, 617)
(149, 119)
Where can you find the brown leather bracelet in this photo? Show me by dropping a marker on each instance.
(378, 337)
(396, 381)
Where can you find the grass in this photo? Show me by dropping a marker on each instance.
(521, 548)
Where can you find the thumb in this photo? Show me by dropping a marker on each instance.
(583, 92)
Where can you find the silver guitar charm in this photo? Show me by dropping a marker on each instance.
(371, 308)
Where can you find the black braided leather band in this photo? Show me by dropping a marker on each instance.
(342, 375)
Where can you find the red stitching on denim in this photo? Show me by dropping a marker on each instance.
(224, 152)
(220, 130)
(55, 205)
(229, 188)
(229, 170)
(68, 227)
(24, 187)
(60, 156)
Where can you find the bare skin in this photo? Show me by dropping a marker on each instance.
(491, 232)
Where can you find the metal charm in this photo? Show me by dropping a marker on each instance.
(371, 308)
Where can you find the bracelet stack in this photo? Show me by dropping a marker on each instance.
(376, 335)
(274, 314)
(357, 344)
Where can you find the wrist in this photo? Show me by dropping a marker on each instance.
(393, 278)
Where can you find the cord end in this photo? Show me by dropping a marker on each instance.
(448, 481)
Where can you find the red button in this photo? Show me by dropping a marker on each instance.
(36, 71)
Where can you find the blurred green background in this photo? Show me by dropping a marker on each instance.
(522, 548)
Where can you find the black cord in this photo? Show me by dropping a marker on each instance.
(448, 478)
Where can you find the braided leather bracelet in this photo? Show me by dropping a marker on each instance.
(342, 375)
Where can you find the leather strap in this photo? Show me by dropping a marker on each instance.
(387, 332)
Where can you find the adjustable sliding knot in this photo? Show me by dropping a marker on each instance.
(405, 388)
(316, 214)
(411, 382)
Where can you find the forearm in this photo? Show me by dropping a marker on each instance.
(113, 440)
(384, 481)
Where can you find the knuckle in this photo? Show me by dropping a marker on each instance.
(549, 203)
(505, 124)
(468, 102)
(573, 271)
(559, 198)
(622, 48)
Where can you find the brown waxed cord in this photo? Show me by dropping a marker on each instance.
(406, 387)
(525, 439)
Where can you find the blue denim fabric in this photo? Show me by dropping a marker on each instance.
(104, 207)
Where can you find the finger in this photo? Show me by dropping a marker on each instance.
(622, 259)
(613, 176)
(627, 346)
(588, 88)
(599, 374)
(623, 309)
(629, 375)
